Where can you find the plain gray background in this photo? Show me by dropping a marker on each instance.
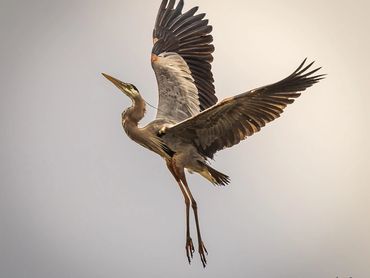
(79, 199)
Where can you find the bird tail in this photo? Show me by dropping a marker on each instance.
(214, 176)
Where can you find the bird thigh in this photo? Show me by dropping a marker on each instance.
(190, 160)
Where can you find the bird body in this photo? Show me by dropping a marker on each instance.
(191, 125)
(167, 146)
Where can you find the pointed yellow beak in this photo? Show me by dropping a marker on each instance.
(115, 81)
(124, 87)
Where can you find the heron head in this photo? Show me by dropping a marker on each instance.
(130, 90)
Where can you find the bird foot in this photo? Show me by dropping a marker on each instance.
(202, 252)
(189, 248)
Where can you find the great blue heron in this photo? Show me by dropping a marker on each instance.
(190, 126)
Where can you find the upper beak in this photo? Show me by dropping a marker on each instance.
(120, 85)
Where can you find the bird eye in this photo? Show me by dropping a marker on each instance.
(133, 86)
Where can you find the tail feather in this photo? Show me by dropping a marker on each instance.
(217, 178)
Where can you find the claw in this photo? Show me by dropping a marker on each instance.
(187, 254)
(201, 251)
(189, 247)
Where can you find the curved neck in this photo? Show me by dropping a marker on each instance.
(135, 113)
(131, 118)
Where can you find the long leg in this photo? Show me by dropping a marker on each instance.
(201, 248)
(189, 242)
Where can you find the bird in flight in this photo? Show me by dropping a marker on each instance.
(191, 125)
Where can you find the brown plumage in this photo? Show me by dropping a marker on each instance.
(190, 126)
(233, 119)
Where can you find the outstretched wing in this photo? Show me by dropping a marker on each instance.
(181, 59)
(238, 117)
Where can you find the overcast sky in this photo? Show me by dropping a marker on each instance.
(79, 199)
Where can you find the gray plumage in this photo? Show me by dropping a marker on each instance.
(190, 126)
(188, 35)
